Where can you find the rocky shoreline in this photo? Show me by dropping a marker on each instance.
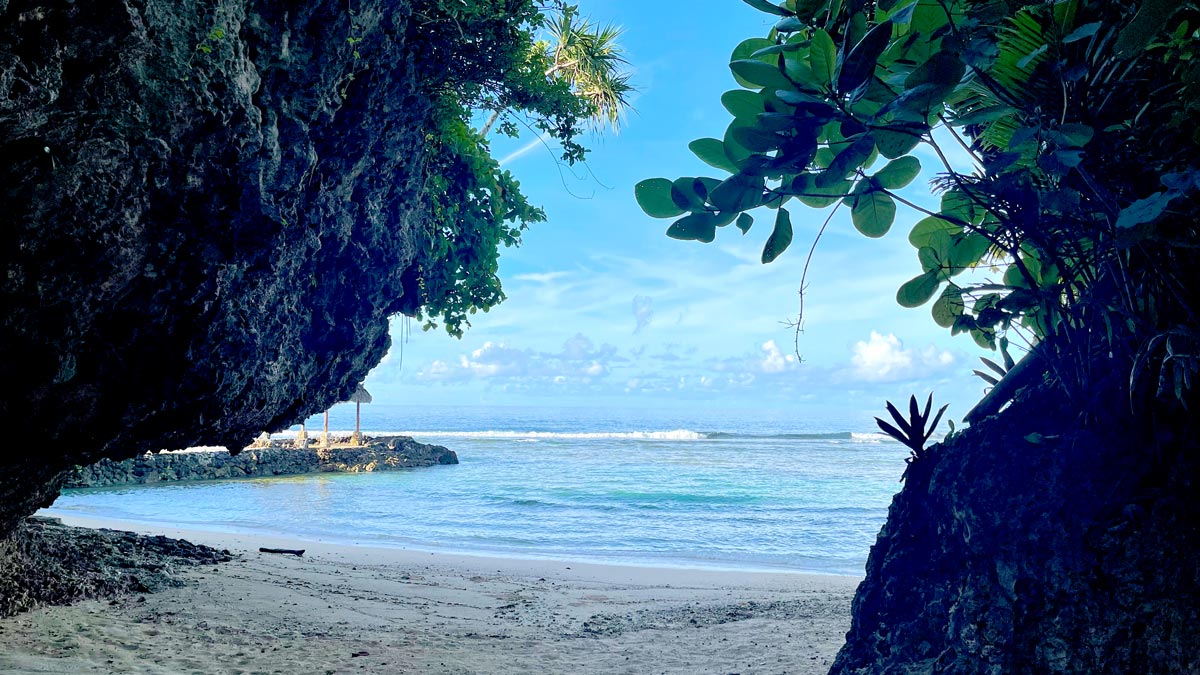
(47, 563)
(281, 458)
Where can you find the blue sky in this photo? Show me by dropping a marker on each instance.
(604, 309)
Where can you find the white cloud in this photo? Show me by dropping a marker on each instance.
(768, 360)
(493, 359)
(774, 360)
(579, 361)
(883, 358)
(540, 277)
(643, 312)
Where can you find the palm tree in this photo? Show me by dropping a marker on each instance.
(591, 60)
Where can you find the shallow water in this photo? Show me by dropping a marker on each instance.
(747, 492)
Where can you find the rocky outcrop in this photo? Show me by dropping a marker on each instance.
(379, 454)
(209, 213)
(47, 563)
(1032, 543)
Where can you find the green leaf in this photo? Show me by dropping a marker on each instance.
(1085, 31)
(873, 213)
(958, 205)
(1013, 276)
(1032, 56)
(898, 140)
(706, 185)
(744, 221)
(654, 196)
(755, 139)
(859, 64)
(932, 232)
(777, 49)
(735, 151)
(799, 98)
(759, 75)
(983, 338)
(996, 367)
(764, 6)
(948, 307)
(1073, 135)
(694, 227)
(798, 70)
(789, 24)
(930, 258)
(966, 251)
(712, 152)
(984, 115)
(918, 103)
(928, 17)
(917, 291)
(849, 159)
(1144, 210)
(746, 50)
(685, 194)
(1151, 18)
(743, 104)
(747, 47)
(822, 54)
(943, 69)
(810, 194)
(898, 173)
(781, 237)
(986, 377)
(737, 193)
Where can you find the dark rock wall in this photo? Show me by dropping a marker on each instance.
(383, 454)
(1067, 552)
(207, 213)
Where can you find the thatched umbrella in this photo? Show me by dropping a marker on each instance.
(361, 396)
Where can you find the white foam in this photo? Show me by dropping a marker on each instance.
(869, 438)
(674, 435)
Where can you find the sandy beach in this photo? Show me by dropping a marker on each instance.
(351, 609)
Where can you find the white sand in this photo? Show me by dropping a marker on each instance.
(437, 614)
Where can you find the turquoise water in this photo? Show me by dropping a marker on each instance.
(752, 491)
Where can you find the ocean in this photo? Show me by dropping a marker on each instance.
(744, 490)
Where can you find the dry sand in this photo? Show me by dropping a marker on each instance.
(350, 609)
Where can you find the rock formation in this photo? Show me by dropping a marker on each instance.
(1034, 542)
(209, 211)
(47, 563)
(379, 454)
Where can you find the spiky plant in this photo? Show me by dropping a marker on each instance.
(912, 432)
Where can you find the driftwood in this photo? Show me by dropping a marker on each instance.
(289, 551)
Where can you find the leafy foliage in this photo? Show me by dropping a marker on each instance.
(997, 370)
(475, 209)
(493, 62)
(1053, 103)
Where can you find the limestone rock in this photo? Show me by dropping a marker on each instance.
(208, 213)
(1030, 545)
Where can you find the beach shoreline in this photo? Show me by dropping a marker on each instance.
(351, 548)
(344, 608)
